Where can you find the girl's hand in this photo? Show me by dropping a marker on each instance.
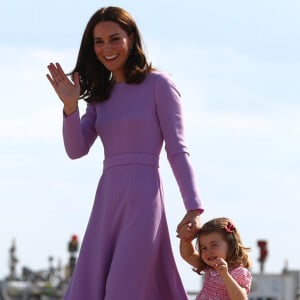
(233, 288)
(221, 266)
(190, 225)
(67, 91)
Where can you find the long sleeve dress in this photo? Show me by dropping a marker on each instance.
(126, 251)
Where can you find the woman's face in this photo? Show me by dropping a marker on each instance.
(212, 246)
(112, 46)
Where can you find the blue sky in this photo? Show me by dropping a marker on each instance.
(237, 67)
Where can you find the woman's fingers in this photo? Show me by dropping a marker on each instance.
(76, 79)
(187, 232)
(56, 72)
(67, 90)
(50, 79)
(190, 225)
(60, 73)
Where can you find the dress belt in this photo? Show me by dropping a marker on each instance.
(131, 158)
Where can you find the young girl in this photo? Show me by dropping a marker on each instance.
(223, 259)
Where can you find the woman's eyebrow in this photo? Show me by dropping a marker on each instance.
(110, 36)
(114, 35)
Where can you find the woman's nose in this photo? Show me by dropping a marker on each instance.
(107, 46)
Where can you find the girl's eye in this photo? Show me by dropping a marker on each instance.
(203, 249)
(98, 42)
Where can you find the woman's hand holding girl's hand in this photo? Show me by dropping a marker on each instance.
(67, 91)
(190, 225)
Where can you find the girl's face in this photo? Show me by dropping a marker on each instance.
(212, 246)
(112, 46)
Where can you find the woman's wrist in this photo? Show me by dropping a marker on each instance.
(197, 210)
(69, 110)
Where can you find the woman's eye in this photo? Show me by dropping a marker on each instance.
(115, 39)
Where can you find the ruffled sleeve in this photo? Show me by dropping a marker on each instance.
(243, 277)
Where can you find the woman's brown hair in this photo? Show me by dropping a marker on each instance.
(95, 80)
(237, 253)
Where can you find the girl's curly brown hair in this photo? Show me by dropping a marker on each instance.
(237, 254)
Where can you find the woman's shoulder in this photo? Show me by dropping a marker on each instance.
(162, 81)
(160, 76)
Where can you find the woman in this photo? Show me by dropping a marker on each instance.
(126, 252)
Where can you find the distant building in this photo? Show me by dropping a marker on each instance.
(284, 286)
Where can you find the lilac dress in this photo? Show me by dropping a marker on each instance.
(126, 251)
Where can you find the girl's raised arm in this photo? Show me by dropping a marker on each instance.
(189, 253)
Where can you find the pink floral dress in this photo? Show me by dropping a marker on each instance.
(214, 287)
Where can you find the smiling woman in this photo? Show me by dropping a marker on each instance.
(112, 47)
(126, 252)
(111, 51)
